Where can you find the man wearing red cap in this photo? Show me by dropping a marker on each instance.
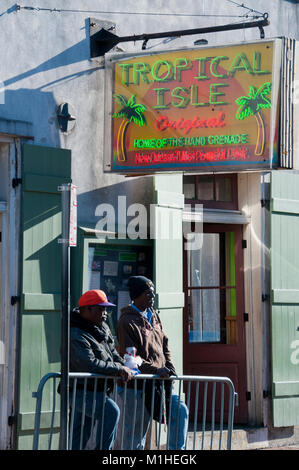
(92, 350)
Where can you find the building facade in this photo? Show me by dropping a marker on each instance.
(229, 309)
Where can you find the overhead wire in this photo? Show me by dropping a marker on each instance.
(70, 10)
(241, 5)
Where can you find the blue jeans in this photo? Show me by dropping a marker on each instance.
(136, 440)
(111, 418)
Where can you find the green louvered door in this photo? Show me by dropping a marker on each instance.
(285, 297)
(168, 259)
(43, 170)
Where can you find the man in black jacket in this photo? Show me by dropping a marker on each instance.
(92, 350)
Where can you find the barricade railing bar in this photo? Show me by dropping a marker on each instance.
(209, 402)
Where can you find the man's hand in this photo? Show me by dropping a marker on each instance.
(163, 372)
(126, 374)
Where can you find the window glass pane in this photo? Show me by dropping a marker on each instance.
(205, 188)
(204, 264)
(189, 187)
(204, 304)
(224, 189)
(204, 325)
(212, 305)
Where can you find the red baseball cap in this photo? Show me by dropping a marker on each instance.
(94, 297)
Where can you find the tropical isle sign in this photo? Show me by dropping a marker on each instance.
(210, 109)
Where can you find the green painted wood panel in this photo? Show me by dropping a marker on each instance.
(43, 170)
(41, 301)
(285, 297)
(168, 259)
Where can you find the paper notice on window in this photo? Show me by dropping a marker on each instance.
(90, 261)
(110, 268)
(95, 280)
(123, 299)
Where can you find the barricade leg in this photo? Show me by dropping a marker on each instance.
(103, 411)
(178, 427)
(134, 421)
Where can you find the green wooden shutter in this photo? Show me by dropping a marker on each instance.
(43, 170)
(285, 297)
(168, 259)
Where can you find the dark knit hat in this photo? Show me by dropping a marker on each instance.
(137, 285)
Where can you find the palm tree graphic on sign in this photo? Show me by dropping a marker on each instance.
(251, 105)
(130, 111)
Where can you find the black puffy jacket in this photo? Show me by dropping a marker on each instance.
(92, 349)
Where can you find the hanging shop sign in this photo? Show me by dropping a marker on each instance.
(209, 109)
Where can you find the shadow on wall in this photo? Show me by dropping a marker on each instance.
(12, 9)
(74, 54)
(138, 190)
(52, 329)
(37, 105)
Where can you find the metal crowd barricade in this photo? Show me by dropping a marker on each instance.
(210, 401)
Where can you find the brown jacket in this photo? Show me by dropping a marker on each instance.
(151, 342)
